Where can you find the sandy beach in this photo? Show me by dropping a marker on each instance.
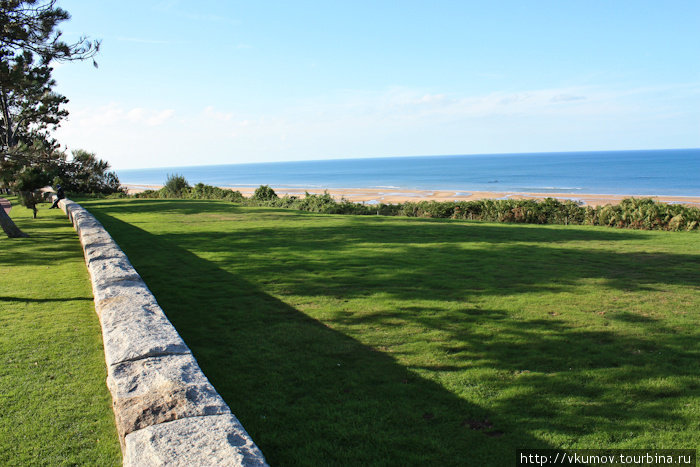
(389, 196)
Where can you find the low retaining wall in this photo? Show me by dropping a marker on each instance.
(166, 411)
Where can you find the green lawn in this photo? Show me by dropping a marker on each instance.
(374, 340)
(55, 408)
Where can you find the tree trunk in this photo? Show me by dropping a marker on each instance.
(9, 227)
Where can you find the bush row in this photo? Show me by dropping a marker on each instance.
(634, 213)
(199, 191)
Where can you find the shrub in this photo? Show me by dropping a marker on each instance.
(199, 191)
(148, 194)
(175, 186)
(27, 185)
(642, 213)
(202, 191)
(264, 193)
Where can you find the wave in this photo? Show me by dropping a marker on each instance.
(552, 189)
(622, 172)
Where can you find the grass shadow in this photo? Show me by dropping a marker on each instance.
(43, 300)
(310, 395)
(425, 253)
(530, 378)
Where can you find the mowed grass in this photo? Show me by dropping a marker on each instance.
(55, 408)
(395, 341)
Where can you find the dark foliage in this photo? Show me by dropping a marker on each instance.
(175, 186)
(30, 110)
(202, 191)
(85, 173)
(29, 42)
(31, 26)
(264, 193)
(635, 213)
(199, 191)
(27, 185)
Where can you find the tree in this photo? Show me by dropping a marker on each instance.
(31, 26)
(85, 173)
(29, 108)
(29, 43)
(27, 184)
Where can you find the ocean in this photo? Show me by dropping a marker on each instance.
(669, 172)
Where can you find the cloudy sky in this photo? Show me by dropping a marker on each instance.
(208, 82)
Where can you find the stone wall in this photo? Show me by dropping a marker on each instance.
(166, 411)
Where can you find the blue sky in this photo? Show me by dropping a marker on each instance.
(192, 83)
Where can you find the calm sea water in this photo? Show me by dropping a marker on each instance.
(653, 172)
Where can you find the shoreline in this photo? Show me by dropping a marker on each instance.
(397, 195)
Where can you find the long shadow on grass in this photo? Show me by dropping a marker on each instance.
(607, 385)
(435, 227)
(417, 259)
(53, 235)
(43, 300)
(436, 254)
(310, 395)
(565, 378)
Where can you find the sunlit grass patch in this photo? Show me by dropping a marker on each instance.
(340, 339)
(54, 405)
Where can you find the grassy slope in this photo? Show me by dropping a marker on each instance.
(389, 340)
(54, 405)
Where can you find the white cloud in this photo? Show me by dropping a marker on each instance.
(402, 104)
(210, 112)
(399, 121)
(135, 115)
(567, 98)
(159, 117)
(115, 114)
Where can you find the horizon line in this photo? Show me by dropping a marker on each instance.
(348, 158)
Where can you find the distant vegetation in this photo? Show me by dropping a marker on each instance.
(264, 193)
(631, 213)
(177, 186)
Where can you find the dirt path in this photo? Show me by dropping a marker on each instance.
(5, 204)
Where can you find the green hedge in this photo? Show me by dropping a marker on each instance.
(199, 191)
(633, 213)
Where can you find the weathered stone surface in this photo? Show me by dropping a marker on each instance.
(105, 290)
(160, 389)
(81, 215)
(93, 236)
(84, 222)
(166, 410)
(102, 250)
(132, 330)
(72, 208)
(89, 231)
(125, 305)
(112, 270)
(66, 205)
(94, 243)
(216, 440)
